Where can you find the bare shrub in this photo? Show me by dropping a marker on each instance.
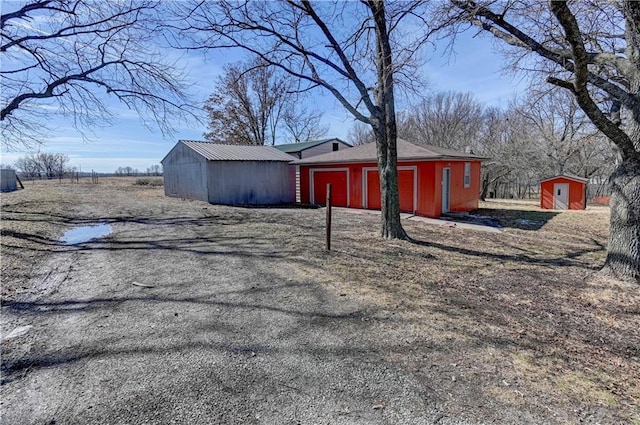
(146, 181)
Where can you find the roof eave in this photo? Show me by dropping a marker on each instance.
(360, 160)
(311, 146)
(576, 179)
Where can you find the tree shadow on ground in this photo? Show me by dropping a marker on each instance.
(511, 218)
(569, 259)
(261, 300)
(515, 312)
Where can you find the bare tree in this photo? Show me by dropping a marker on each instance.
(591, 49)
(70, 56)
(43, 165)
(447, 119)
(566, 137)
(514, 167)
(257, 104)
(154, 170)
(247, 105)
(303, 124)
(360, 134)
(354, 59)
(28, 166)
(496, 144)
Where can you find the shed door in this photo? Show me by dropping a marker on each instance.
(560, 196)
(339, 188)
(406, 189)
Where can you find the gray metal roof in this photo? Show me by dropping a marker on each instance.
(406, 152)
(297, 147)
(216, 152)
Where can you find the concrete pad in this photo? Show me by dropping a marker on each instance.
(454, 224)
(436, 221)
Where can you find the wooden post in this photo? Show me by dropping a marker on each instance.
(328, 236)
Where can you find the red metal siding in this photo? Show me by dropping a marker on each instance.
(546, 195)
(464, 198)
(429, 190)
(428, 186)
(577, 193)
(373, 190)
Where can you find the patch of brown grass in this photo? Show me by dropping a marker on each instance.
(519, 318)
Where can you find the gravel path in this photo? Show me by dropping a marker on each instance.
(218, 338)
(191, 313)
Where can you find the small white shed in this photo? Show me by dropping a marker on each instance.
(8, 180)
(229, 174)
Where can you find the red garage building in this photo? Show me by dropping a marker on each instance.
(431, 180)
(563, 193)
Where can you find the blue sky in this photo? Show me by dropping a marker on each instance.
(474, 68)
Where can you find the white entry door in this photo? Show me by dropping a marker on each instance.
(560, 196)
(446, 183)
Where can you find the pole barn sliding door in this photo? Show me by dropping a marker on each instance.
(339, 180)
(407, 188)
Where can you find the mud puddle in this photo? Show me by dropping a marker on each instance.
(84, 234)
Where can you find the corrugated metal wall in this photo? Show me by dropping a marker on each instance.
(251, 182)
(184, 173)
(188, 174)
(8, 181)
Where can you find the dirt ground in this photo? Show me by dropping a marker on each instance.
(194, 313)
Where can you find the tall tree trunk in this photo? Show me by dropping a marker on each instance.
(385, 128)
(391, 227)
(623, 253)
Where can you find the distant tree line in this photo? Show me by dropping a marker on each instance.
(39, 166)
(43, 166)
(154, 170)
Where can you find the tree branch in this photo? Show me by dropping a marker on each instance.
(573, 36)
(515, 37)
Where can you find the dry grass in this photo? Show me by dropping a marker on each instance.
(519, 318)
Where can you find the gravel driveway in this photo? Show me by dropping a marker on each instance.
(156, 325)
(191, 313)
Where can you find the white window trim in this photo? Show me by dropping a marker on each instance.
(467, 175)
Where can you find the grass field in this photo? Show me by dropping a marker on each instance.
(518, 318)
